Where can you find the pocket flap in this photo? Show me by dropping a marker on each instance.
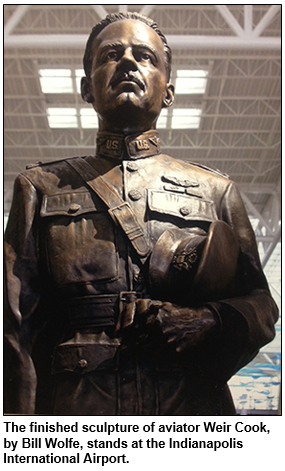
(83, 358)
(70, 204)
(182, 206)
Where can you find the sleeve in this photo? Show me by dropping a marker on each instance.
(246, 321)
(22, 295)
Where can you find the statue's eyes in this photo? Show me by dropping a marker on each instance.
(145, 56)
(140, 55)
(112, 55)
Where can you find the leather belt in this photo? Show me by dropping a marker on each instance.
(98, 310)
(120, 210)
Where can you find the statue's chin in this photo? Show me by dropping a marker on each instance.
(130, 114)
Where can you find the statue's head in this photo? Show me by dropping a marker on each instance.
(127, 63)
(88, 55)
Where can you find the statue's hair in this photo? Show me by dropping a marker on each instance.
(112, 18)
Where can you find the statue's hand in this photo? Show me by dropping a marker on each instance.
(138, 316)
(186, 327)
(183, 327)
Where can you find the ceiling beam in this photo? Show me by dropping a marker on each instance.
(100, 11)
(223, 42)
(123, 8)
(179, 41)
(256, 213)
(268, 17)
(257, 188)
(277, 238)
(230, 19)
(15, 19)
(247, 31)
(147, 9)
(248, 9)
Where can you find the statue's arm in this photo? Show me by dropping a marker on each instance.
(21, 299)
(226, 334)
(255, 308)
(247, 321)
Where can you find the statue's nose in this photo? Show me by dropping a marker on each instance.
(128, 61)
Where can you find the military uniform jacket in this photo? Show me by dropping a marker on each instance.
(69, 268)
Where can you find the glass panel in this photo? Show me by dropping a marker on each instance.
(186, 118)
(56, 80)
(55, 72)
(256, 387)
(62, 117)
(88, 118)
(79, 73)
(191, 81)
(162, 120)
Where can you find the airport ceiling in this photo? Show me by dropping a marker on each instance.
(239, 130)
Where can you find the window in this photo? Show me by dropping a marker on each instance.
(88, 118)
(62, 117)
(56, 80)
(79, 73)
(85, 118)
(61, 80)
(191, 81)
(186, 118)
(162, 120)
(256, 387)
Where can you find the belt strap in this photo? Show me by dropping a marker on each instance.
(119, 210)
(92, 311)
(97, 310)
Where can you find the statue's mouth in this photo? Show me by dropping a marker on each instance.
(127, 77)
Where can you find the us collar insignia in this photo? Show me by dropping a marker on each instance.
(128, 147)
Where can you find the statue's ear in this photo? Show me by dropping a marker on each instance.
(85, 90)
(169, 97)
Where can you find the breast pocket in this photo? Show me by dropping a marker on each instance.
(79, 239)
(168, 210)
(180, 206)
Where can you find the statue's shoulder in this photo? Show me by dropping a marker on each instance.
(197, 168)
(215, 171)
(52, 175)
(61, 163)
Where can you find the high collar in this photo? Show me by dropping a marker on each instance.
(136, 146)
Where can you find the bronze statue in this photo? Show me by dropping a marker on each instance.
(134, 285)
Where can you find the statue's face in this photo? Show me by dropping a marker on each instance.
(128, 78)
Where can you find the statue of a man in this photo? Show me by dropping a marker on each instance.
(134, 285)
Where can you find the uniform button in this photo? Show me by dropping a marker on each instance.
(82, 363)
(135, 195)
(139, 278)
(74, 207)
(132, 167)
(184, 211)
